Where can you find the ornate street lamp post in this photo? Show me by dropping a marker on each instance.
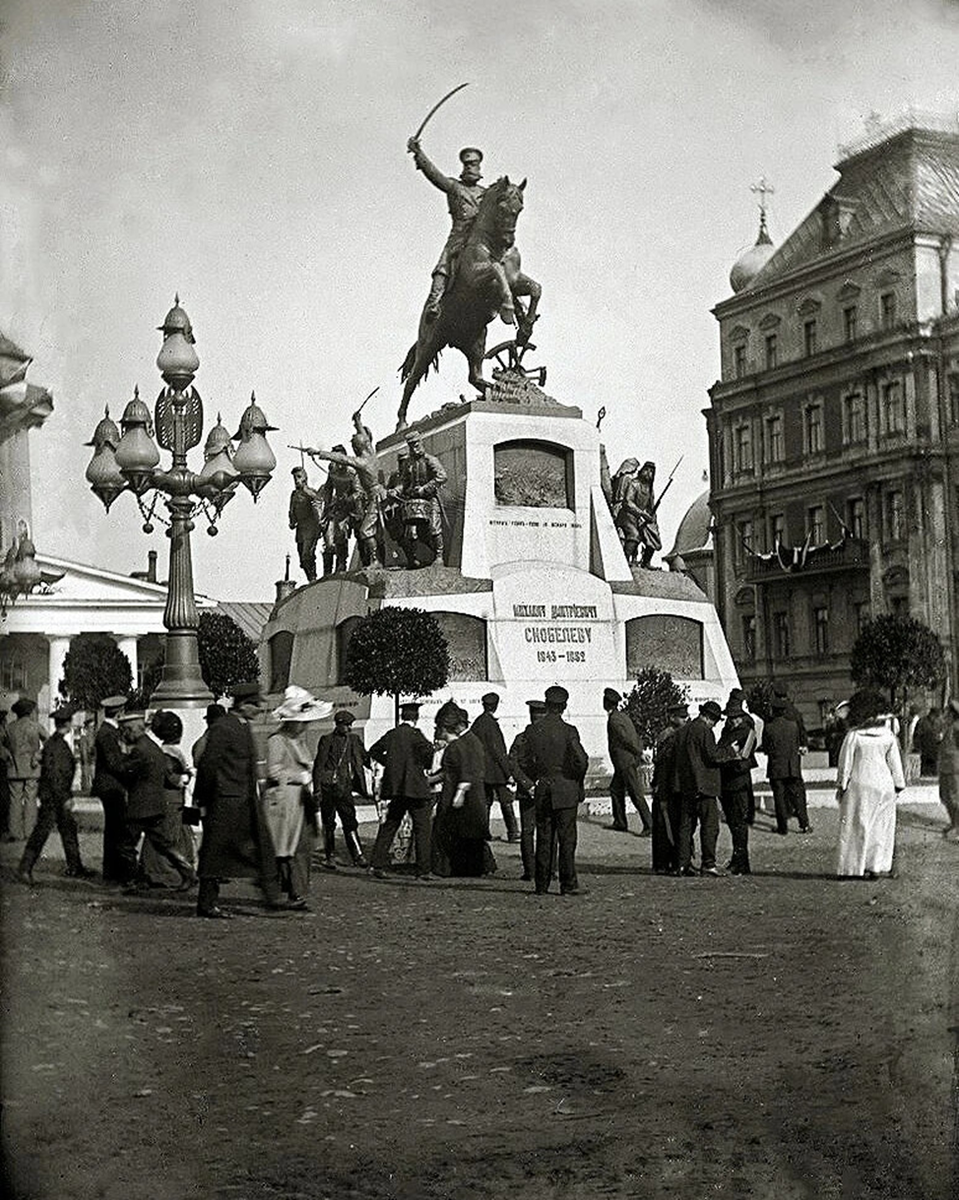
(129, 462)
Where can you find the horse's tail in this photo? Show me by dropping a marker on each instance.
(406, 368)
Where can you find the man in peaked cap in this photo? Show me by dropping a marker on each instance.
(339, 774)
(698, 759)
(625, 752)
(487, 729)
(406, 756)
(55, 789)
(558, 766)
(236, 842)
(119, 847)
(24, 741)
(520, 767)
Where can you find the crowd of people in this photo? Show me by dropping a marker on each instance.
(264, 817)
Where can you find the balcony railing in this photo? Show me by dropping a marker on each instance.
(851, 554)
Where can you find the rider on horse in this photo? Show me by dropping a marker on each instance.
(463, 197)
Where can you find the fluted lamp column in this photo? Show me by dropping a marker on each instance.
(130, 463)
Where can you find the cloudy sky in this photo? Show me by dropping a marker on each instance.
(250, 154)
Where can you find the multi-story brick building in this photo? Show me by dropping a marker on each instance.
(834, 430)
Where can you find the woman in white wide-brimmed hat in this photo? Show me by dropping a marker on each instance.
(290, 808)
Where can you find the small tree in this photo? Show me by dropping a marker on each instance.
(397, 652)
(227, 655)
(94, 667)
(647, 704)
(898, 655)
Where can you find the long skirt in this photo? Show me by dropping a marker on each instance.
(867, 829)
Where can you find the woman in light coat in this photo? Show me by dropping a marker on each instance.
(289, 807)
(870, 777)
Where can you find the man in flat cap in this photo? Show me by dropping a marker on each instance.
(406, 756)
(558, 765)
(667, 798)
(783, 746)
(498, 772)
(109, 761)
(55, 790)
(698, 759)
(463, 196)
(236, 842)
(626, 753)
(339, 775)
(520, 767)
(739, 735)
(24, 740)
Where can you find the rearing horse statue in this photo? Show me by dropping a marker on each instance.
(487, 281)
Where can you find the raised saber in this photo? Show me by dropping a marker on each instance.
(439, 104)
(367, 400)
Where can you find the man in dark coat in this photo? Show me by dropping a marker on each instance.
(57, 766)
(625, 752)
(925, 741)
(698, 759)
(739, 736)
(406, 756)
(109, 763)
(338, 775)
(144, 772)
(783, 747)
(520, 767)
(486, 727)
(236, 843)
(667, 799)
(558, 765)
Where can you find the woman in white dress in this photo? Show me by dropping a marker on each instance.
(289, 805)
(869, 779)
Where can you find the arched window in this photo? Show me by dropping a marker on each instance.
(533, 474)
(281, 655)
(673, 644)
(466, 638)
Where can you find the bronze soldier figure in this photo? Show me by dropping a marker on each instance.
(634, 511)
(421, 476)
(342, 509)
(365, 463)
(305, 517)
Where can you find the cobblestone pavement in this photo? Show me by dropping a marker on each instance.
(781, 1035)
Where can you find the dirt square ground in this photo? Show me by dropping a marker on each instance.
(782, 1035)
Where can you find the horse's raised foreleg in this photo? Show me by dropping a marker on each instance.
(522, 285)
(507, 310)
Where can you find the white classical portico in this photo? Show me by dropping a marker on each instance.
(36, 631)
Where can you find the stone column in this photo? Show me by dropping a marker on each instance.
(58, 646)
(128, 646)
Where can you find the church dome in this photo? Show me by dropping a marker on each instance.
(749, 264)
(694, 532)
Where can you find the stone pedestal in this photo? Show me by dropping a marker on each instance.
(535, 588)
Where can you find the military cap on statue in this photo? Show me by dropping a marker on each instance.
(711, 709)
(113, 703)
(611, 696)
(470, 150)
(343, 717)
(556, 694)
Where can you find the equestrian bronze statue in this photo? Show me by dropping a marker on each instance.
(485, 281)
